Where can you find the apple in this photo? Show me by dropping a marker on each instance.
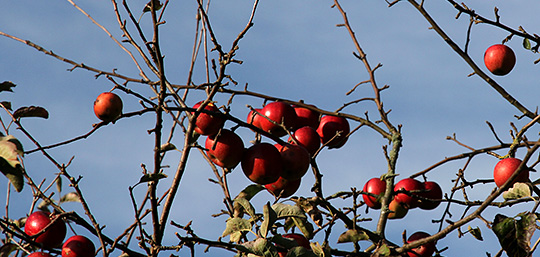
(283, 188)
(308, 138)
(433, 192)
(329, 126)
(108, 106)
(306, 117)
(78, 246)
(408, 184)
(262, 163)
(499, 59)
(505, 168)
(374, 186)
(300, 239)
(424, 250)
(254, 119)
(225, 149)
(295, 160)
(278, 112)
(398, 210)
(53, 235)
(206, 123)
(39, 254)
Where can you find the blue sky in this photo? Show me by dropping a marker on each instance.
(293, 51)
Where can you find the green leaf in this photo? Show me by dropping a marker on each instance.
(518, 190)
(6, 104)
(243, 205)
(383, 250)
(236, 225)
(515, 234)
(261, 247)
(70, 197)
(148, 6)
(149, 177)
(7, 249)
(32, 111)
(250, 191)
(167, 147)
(6, 86)
(320, 250)
(304, 226)
(269, 218)
(476, 232)
(10, 166)
(527, 44)
(300, 251)
(352, 236)
(286, 210)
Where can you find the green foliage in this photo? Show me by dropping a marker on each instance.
(518, 190)
(10, 151)
(514, 234)
(31, 111)
(352, 235)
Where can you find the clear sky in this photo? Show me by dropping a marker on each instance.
(293, 51)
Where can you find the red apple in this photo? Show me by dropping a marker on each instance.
(53, 235)
(262, 163)
(433, 192)
(408, 184)
(78, 246)
(225, 149)
(499, 59)
(398, 210)
(283, 188)
(300, 239)
(329, 126)
(505, 168)
(254, 119)
(295, 159)
(206, 123)
(424, 250)
(108, 106)
(306, 117)
(308, 138)
(278, 112)
(374, 186)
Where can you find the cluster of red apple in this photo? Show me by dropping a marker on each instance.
(279, 167)
(408, 193)
(50, 232)
(499, 59)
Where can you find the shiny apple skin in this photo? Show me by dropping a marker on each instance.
(225, 149)
(433, 192)
(283, 188)
(329, 126)
(374, 186)
(278, 112)
(505, 168)
(78, 246)
(53, 236)
(207, 124)
(499, 59)
(306, 117)
(262, 163)
(295, 160)
(108, 106)
(308, 138)
(409, 184)
(425, 250)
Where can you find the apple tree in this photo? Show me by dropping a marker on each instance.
(270, 154)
